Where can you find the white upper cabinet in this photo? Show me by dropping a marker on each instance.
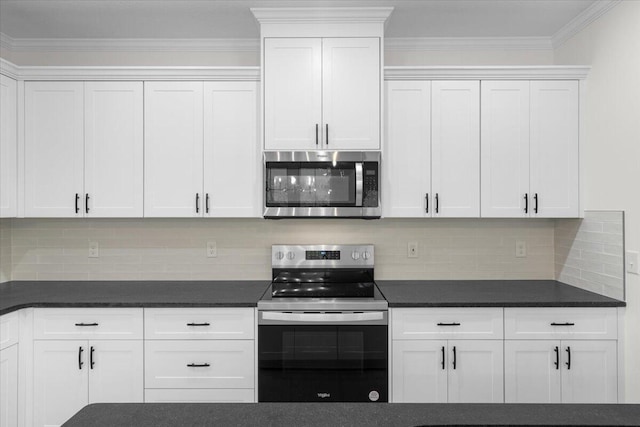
(173, 141)
(455, 148)
(113, 149)
(554, 148)
(322, 93)
(505, 149)
(8, 147)
(530, 158)
(54, 149)
(407, 163)
(83, 149)
(232, 178)
(292, 93)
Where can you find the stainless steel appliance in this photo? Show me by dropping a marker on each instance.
(318, 184)
(322, 327)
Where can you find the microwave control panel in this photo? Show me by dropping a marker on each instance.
(370, 184)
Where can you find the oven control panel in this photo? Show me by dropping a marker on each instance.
(333, 256)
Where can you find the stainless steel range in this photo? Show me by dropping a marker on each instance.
(322, 327)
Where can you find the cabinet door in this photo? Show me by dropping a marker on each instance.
(476, 371)
(455, 148)
(9, 387)
(419, 371)
(116, 371)
(54, 149)
(554, 148)
(351, 93)
(8, 147)
(505, 149)
(292, 93)
(591, 375)
(407, 164)
(532, 371)
(232, 182)
(173, 123)
(113, 149)
(60, 381)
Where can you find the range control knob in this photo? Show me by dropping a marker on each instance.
(366, 255)
(291, 255)
(355, 255)
(279, 255)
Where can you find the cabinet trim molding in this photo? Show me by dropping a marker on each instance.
(501, 72)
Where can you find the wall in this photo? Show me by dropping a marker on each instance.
(611, 141)
(5, 250)
(51, 249)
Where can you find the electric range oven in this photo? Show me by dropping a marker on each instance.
(322, 327)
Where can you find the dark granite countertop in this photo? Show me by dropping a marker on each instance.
(19, 294)
(489, 293)
(352, 414)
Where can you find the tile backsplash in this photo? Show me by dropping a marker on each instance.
(175, 249)
(589, 252)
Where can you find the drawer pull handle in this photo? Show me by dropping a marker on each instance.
(199, 324)
(86, 324)
(563, 324)
(448, 324)
(198, 365)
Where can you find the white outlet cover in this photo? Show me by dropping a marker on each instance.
(631, 259)
(412, 250)
(94, 250)
(212, 249)
(521, 249)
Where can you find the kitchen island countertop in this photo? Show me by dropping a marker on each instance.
(352, 414)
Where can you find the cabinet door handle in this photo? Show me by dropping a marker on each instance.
(448, 324)
(557, 362)
(437, 203)
(426, 202)
(563, 324)
(91, 362)
(80, 358)
(86, 324)
(535, 206)
(86, 202)
(443, 353)
(568, 358)
(199, 324)
(206, 203)
(326, 135)
(197, 202)
(454, 357)
(77, 200)
(317, 134)
(526, 203)
(198, 365)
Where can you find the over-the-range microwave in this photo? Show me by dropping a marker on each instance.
(322, 184)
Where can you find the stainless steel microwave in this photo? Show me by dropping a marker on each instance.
(322, 184)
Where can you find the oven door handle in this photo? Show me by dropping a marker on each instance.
(359, 183)
(323, 317)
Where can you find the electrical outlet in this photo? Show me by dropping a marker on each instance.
(521, 249)
(412, 250)
(212, 250)
(631, 259)
(94, 251)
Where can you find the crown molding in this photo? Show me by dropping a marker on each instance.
(467, 43)
(545, 72)
(130, 73)
(128, 45)
(282, 15)
(580, 22)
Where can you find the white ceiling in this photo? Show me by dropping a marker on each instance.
(205, 19)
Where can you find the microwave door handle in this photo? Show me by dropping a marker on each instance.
(359, 182)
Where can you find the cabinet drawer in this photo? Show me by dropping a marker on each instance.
(87, 323)
(560, 323)
(199, 364)
(210, 395)
(199, 323)
(9, 329)
(446, 323)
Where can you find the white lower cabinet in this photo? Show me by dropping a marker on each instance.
(9, 386)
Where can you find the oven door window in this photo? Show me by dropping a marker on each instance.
(310, 184)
